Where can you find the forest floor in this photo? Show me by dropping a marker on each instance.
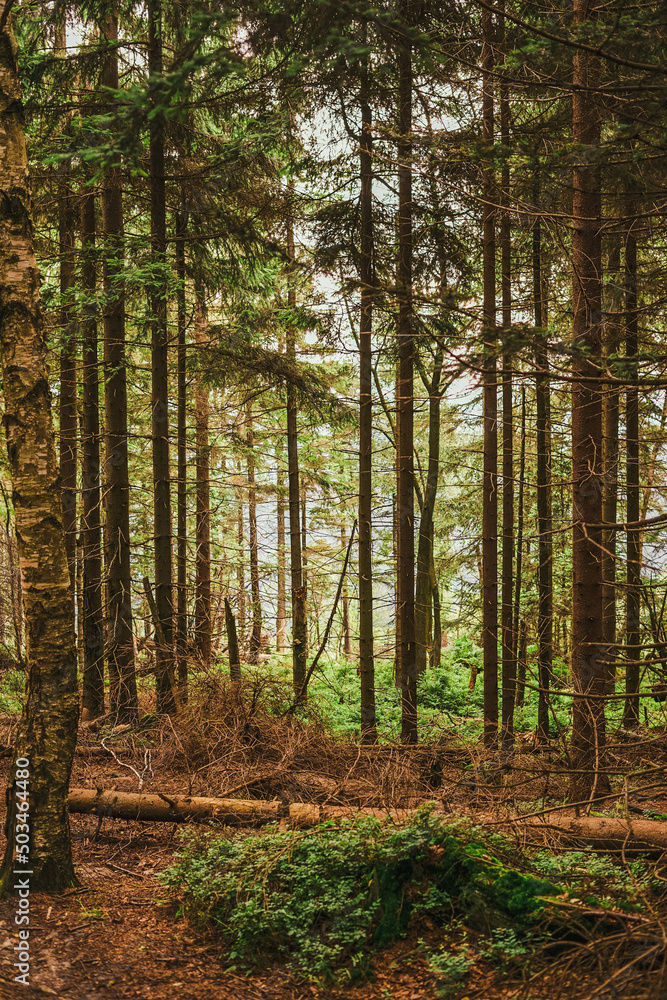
(120, 933)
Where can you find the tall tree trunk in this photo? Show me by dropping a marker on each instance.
(519, 534)
(507, 593)
(46, 735)
(544, 520)
(436, 656)
(588, 658)
(610, 413)
(522, 662)
(281, 603)
(347, 631)
(304, 560)
(203, 512)
(405, 400)
(398, 673)
(424, 588)
(181, 495)
(240, 572)
(299, 625)
(633, 579)
(122, 678)
(489, 405)
(92, 615)
(164, 658)
(232, 643)
(68, 380)
(256, 632)
(366, 634)
(78, 613)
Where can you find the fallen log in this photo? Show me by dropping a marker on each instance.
(163, 808)
(173, 808)
(640, 834)
(606, 831)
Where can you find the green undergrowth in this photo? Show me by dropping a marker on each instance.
(325, 899)
(598, 880)
(444, 698)
(12, 684)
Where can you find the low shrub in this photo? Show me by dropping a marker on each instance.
(326, 898)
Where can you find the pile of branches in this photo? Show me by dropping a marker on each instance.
(240, 739)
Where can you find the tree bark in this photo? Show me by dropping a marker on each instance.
(366, 633)
(610, 414)
(507, 572)
(68, 350)
(232, 643)
(522, 663)
(544, 519)
(405, 404)
(92, 699)
(424, 588)
(46, 735)
(256, 631)
(299, 625)
(516, 637)
(203, 511)
(281, 603)
(304, 560)
(173, 808)
(588, 657)
(489, 404)
(181, 494)
(436, 656)
(122, 678)
(165, 666)
(633, 578)
(347, 631)
(240, 572)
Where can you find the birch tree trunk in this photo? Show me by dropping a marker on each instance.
(47, 730)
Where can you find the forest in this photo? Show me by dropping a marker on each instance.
(333, 592)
